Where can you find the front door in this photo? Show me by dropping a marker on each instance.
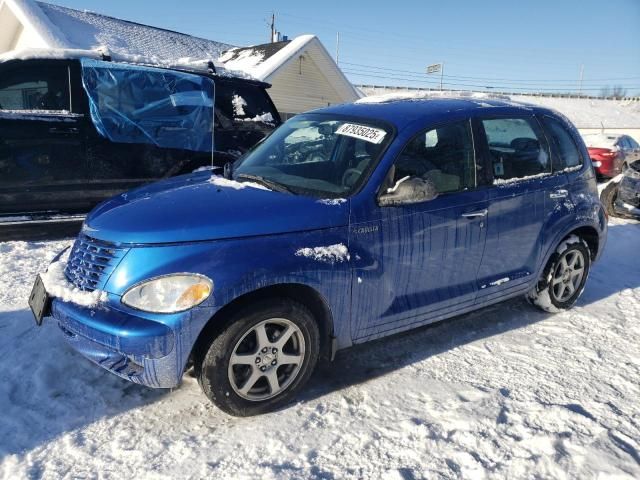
(42, 162)
(421, 258)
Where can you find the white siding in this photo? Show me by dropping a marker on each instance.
(301, 85)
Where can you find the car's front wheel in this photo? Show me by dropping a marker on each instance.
(564, 276)
(262, 359)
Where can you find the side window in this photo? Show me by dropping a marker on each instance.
(32, 88)
(244, 104)
(516, 148)
(568, 154)
(443, 155)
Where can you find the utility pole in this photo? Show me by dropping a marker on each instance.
(580, 81)
(273, 27)
(338, 48)
(441, 74)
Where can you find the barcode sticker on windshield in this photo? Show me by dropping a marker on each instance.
(368, 134)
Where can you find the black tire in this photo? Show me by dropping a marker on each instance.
(608, 198)
(215, 374)
(544, 295)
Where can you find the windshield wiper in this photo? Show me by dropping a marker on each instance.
(278, 187)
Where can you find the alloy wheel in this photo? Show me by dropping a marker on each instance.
(267, 359)
(568, 275)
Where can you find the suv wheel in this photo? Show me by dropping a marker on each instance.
(564, 277)
(262, 359)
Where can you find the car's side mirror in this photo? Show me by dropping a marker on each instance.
(408, 190)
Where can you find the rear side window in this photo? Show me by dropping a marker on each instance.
(242, 104)
(516, 148)
(632, 142)
(32, 88)
(567, 153)
(443, 155)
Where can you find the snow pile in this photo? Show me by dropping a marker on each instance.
(428, 94)
(58, 286)
(582, 112)
(39, 115)
(225, 182)
(331, 254)
(508, 181)
(238, 105)
(264, 118)
(507, 392)
(88, 31)
(332, 201)
(245, 61)
(252, 61)
(601, 140)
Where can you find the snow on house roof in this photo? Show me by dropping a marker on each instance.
(265, 60)
(67, 30)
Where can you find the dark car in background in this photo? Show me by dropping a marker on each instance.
(611, 153)
(74, 132)
(621, 196)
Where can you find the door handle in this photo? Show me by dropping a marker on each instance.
(476, 214)
(559, 194)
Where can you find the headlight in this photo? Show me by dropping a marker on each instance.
(169, 294)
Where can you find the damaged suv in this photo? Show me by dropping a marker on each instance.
(74, 132)
(346, 224)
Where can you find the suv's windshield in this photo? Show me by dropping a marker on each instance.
(316, 154)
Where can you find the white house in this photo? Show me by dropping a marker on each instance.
(302, 73)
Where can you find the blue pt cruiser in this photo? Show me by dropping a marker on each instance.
(347, 224)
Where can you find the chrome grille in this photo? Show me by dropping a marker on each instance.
(91, 262)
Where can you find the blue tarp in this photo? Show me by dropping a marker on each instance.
(137, 104)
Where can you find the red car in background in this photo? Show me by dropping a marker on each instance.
(611, 153)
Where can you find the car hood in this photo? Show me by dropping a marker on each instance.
(194, 208)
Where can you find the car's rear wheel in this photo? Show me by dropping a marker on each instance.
(564, 277)
(262, 359)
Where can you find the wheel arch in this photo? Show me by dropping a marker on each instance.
(308, 296)
(590, 235)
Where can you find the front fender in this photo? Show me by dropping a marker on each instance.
(240, 266)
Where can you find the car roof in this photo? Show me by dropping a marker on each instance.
(222, 76)
(402, 112)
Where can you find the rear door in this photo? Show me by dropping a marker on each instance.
(517, 155)
(42, 161)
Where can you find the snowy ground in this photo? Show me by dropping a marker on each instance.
(506, 392)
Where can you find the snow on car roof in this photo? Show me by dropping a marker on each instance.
(88, 31)
(601, 140)
(66, 33)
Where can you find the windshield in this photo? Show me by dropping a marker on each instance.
(317, 155)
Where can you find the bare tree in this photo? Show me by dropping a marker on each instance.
(617, 92)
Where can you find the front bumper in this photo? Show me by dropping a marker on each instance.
(129, 344)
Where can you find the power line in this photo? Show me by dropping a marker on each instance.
(392, 76)
(463, 77)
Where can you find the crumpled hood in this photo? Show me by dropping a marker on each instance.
(192, 208)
